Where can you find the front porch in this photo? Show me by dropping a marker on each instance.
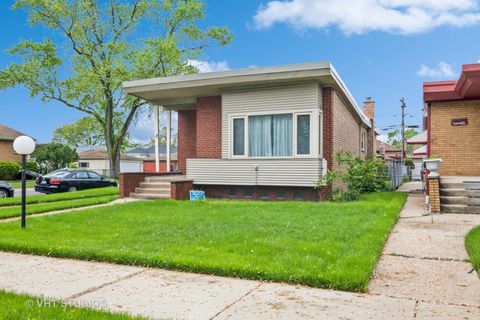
(148, 185)
(460, 194)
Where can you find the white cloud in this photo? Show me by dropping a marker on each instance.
(383, 137)
(443, 70)
(363, 16)
(209, 66)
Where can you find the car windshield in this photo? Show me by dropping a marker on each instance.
(58, 174)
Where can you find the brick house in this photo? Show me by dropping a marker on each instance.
(258, 133)
(452, 121)
(7, 136)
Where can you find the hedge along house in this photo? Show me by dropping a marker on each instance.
(258, 133)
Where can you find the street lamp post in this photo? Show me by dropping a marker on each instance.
(24, 146)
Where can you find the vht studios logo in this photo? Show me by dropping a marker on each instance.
(45, 302)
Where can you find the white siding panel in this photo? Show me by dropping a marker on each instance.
(299, 97)
(276, 172)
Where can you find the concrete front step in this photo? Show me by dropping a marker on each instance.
(472, 209)
(161, 192)
(454, 200)
(160, 179)
(155, 185)
(453, 192)
(148, 196)
(452, 185)
(453, 208)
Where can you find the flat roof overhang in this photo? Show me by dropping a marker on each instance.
(180, 92)
(467, 87)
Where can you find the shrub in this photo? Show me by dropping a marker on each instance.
(9, 170)
(341, 195)
(359, 176)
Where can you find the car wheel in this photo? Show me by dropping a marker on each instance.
(72, 189)
(3, 193)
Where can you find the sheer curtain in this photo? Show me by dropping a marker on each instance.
(260, 136)
(270, 135)
(282, 135)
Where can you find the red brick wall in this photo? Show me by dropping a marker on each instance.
(222, 192)
(187, 124)
(209, 127)
(180, 190)
(131, 180)
(327, 104)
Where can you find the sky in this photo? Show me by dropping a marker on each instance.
(383, 49)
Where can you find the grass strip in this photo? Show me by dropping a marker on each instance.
(472, 243)
(60, 196)
(20, 306)
(329, 245)
(17, 184)
(15, 211)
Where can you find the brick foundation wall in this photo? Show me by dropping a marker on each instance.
(187, 124)
(7, 153)
(434, 194)
(267, 193)
(180, 190)
(131, 180)
(209, 127)
(458, 146)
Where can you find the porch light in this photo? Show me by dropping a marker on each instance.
(24, 146)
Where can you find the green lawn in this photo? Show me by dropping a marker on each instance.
(14, 306)
(472, 243)
(14, 211)
(332, 245)
(60, 196)
(18, 183)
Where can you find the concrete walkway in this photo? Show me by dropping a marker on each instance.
(422, 274)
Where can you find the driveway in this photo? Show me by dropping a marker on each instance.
(30, 192)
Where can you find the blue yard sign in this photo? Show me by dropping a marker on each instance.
(197, 195)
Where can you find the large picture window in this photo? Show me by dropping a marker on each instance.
(270, 135)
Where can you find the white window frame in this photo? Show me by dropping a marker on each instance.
(84, 162)
(320, 134)
(295, 134)
(294, 114)
(362, 140)
(245, 136)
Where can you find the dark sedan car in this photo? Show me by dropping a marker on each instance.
(71, 180)
(6, 190)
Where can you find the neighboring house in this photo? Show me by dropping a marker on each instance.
(388, 151)
(97, 160)
(149, 164)
(266, 133)
(7, 136)
(452, 119)
(147, 154)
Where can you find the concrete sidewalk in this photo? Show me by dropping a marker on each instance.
(422, 275)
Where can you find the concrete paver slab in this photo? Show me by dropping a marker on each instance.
(171, 295)
(423, 245)
(56, 278)
(278, 301)
(449, 282)
(444, 312)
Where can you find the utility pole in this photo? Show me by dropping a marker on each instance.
(403, 106)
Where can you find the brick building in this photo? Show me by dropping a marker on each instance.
(7, 136)
(452, 121)
(262, 133)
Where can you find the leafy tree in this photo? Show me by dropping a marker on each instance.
(54, 156)
(395, 139)
(85, 132)
(108, 42)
